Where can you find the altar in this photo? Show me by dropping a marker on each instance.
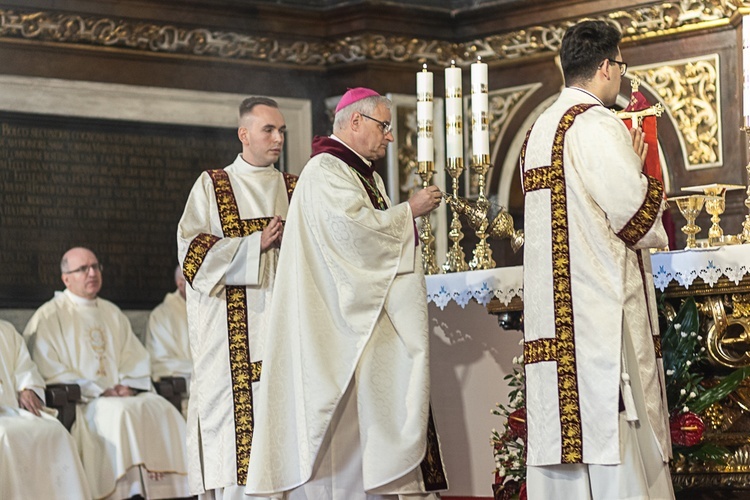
(465, 309)
(470, 355)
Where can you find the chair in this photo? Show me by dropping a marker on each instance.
(63, 398)
(173, 389)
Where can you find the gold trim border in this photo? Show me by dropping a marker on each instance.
(643, 22)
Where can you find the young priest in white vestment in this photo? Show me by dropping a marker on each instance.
(132, 441)
(228, 244)
(596, 407)
(39, 458)
(344, 396)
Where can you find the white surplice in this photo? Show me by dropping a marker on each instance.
(349, 316)
(230, 282)
(587, 284)
(39, 457)
(167, 339)
(91, 343)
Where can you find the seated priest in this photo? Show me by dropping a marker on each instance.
(132, 441)
(39, 458)
(167, 336)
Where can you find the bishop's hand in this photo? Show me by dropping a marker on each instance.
(29, 401)
(425, 201)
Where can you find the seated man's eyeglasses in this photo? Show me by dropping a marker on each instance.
(85, 269)
(622, 64)
(385, 127)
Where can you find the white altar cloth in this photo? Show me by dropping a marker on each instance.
(708, 264)
(502, 283)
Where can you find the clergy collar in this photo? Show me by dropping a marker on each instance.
(79, 301)
(589, 93)
(367, 162)
(249, 167)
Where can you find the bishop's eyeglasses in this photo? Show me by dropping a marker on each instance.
(86, 269)
(385, 127)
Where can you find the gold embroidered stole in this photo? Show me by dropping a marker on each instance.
(243, 371)
(561, 348)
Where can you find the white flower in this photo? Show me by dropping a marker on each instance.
(685, 409)
(683, 334)
(700, 337)
(670, 372)
(688, 363)
(501, 470)
(693, 334)
(692, 394)
(703, 349)
(683, 392)
(677, 327)
(515, 360)
(520, 342)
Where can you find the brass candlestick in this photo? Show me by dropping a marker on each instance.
(482, 253)
(425, 170)
(690, 207)
(455, 261)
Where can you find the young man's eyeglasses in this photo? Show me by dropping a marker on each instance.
(85, 269)
(385, 127)
(622, 64)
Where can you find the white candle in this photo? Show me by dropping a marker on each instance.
(480, 134)
(746, 69)
(425, 118)
(454, 117)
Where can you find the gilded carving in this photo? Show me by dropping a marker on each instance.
(651, 20)
(690, 92)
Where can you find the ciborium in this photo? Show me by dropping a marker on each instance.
(690, 207)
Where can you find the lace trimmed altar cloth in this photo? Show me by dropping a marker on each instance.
(503, 283)
(708, 264)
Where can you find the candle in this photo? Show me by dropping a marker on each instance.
(425, 118)
(454, 132)
(746, 69)
(480, 134)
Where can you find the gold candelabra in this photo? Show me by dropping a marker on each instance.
(455, 260)
(425, 169)
(482, 252)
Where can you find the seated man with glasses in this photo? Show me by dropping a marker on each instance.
(132, 442)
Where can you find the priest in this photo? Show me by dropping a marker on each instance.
(132, 441)
(344, 396)
(228, 244)
(167, 336)
(39, 458)
(596, 405)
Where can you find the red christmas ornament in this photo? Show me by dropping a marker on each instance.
(686, 429)
(517, 423)
(522, 491)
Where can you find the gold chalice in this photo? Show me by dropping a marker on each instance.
(690, 207)
(715, 205)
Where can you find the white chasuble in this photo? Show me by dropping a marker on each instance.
(91, 343)
(167, 339)
(588, 213)
(230, 285)
(39, 457)
(349, 314)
